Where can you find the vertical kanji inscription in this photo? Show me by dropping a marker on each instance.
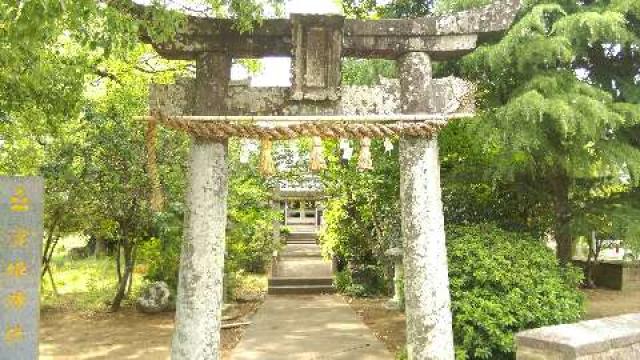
(21, 231)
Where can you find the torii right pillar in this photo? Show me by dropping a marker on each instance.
(428, 303)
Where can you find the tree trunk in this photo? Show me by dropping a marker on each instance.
(118, 258)
(562, 218)
(50, 245)
(595, 246)
(124, 278)
(53, 283)
(427, 299)
(200, 282)
(133, 266)
(101, 247)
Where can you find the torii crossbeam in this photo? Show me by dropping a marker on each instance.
(317, 44)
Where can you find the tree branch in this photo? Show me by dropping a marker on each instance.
(106, 74)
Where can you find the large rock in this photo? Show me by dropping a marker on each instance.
(155, 298)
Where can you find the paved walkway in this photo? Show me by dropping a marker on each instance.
(308, 327)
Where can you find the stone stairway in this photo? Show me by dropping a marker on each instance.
(302, 238)
(300, 267)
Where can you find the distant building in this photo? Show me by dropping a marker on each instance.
(300, 202)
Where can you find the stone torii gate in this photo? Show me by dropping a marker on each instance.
(317, 43)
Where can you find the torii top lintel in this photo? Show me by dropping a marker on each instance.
(443, 37)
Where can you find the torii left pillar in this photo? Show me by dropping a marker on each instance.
(199, 300)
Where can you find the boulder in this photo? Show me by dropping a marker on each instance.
(155, 298)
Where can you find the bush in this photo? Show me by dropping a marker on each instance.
(503, 282)
(360, 280)
(161, 254)
(162, 260)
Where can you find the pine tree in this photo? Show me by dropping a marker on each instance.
(560, 94)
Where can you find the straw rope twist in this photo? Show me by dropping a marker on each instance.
(223, 130)
(151, 134)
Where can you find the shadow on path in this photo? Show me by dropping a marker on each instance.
(311, 327)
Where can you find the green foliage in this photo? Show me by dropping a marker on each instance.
(367, 72)
(501, 283)
(362, 213)
(561, 116)
(392, 9)
(443, 7)
(360, 281)
(248, 286)
(162, 260)
(250, 232)
(343, 282)
(613, 211)
(469, 193)
(83, 285)
(402, 354)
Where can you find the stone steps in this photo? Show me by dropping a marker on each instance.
(301, 242)
(302, 236)
(288, 281)
(289, 285)
(301, 269)
(302, 228)
(301, 250)
(301, 289)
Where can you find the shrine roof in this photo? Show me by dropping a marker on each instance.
(308, 187)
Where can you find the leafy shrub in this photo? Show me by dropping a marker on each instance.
(161, 254)
(503, 282)
(342, 280)
(370, 277)
(162, 259)
(360, 282)
(344, 284)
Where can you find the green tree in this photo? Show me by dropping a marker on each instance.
(560, 98)
(72, 75)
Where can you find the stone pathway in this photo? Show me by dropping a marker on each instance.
(308, 327)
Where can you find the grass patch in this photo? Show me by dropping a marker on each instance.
(84, 285)
(88, 285)
(249, 286)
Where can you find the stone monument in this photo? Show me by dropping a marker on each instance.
(21, 232)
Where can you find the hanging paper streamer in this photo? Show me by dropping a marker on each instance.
(388, 145)
(364, 161)
(267, 167)
(247, 147)
(346, 151)
(244, 152)
(317, 162)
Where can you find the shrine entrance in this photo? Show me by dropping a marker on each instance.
(300, 203)
(301, 212)
(413, 108)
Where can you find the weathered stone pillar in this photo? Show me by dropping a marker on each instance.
(428, 310)
(200, 296)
